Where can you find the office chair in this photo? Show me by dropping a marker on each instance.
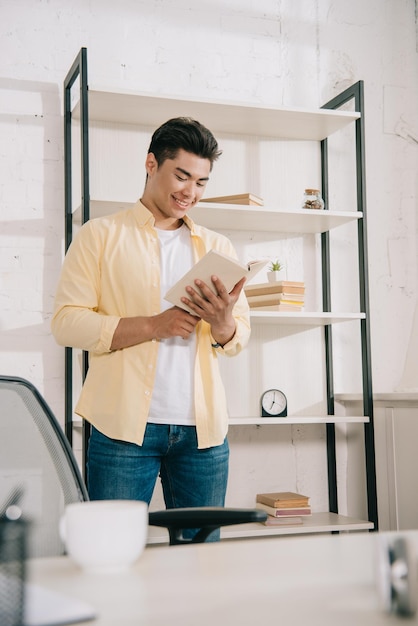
(207, 519)
(36, 456)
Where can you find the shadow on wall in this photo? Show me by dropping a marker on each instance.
(32, 243)
(409, 379)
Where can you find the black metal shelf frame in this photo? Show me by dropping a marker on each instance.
(78, 71)
(356, 93)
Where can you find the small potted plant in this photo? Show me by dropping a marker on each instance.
(274, 270)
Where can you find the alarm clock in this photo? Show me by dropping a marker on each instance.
(273, 403)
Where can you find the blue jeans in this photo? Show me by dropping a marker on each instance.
(190, 477)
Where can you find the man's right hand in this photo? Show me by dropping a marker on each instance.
(174, 323)
(171, 323)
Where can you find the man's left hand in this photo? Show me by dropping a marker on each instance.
(215, 308)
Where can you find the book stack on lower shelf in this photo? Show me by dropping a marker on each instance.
(284, 507)
(284, 295)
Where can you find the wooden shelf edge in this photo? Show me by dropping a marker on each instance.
(394, 398)
(228, 216)
(323, 522)
(303, 318)
(295, 419)
(270, 219)
(316, 523)
(149, 110)
(281, 421)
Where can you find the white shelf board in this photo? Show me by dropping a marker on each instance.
(245, 218)
(297, 419)
(280, 421)
(388, 398)
(238, 118)
(395, 399)
(255, 218)
(315, 523)
(302, 318)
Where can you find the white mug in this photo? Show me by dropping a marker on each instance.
(105, 535)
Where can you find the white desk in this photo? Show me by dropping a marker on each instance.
(305, 580)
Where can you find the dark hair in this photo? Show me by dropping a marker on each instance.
(183, 133)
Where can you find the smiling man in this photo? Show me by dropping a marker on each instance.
(153, 391)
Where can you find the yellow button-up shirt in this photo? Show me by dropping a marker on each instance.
(112, 270)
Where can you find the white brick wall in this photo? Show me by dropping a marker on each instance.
(269, 51)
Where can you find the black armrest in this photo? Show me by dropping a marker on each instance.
(207, 519)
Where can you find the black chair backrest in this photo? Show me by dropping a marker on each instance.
(207, 519)
(36, 455)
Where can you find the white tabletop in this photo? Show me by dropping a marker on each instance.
(316, 580)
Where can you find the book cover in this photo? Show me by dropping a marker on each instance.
(242, 198)
(284, 512)
(277, 298)
(276, 307)
(283, 521)
(283, 499)
(228, 269)
(274, 288)
(274, 298)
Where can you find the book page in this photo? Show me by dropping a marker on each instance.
(229, 270)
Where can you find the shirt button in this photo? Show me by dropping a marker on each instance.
(147, 393)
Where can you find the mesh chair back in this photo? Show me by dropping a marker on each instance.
(35, 454)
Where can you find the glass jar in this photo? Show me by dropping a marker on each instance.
(312, 199)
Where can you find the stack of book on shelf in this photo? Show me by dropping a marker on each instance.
(241, 198)
(283, 295)
(284, 507)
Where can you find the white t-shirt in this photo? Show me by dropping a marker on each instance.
(172, 398)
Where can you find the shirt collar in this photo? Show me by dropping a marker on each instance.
(144, 217)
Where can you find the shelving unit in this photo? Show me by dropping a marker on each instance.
(145, 110)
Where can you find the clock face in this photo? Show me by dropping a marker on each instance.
(273, 403)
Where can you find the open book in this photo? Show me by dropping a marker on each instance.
(229, 270)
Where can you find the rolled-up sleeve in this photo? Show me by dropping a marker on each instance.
(77, 321)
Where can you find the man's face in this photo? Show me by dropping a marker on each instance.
(176, 186)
